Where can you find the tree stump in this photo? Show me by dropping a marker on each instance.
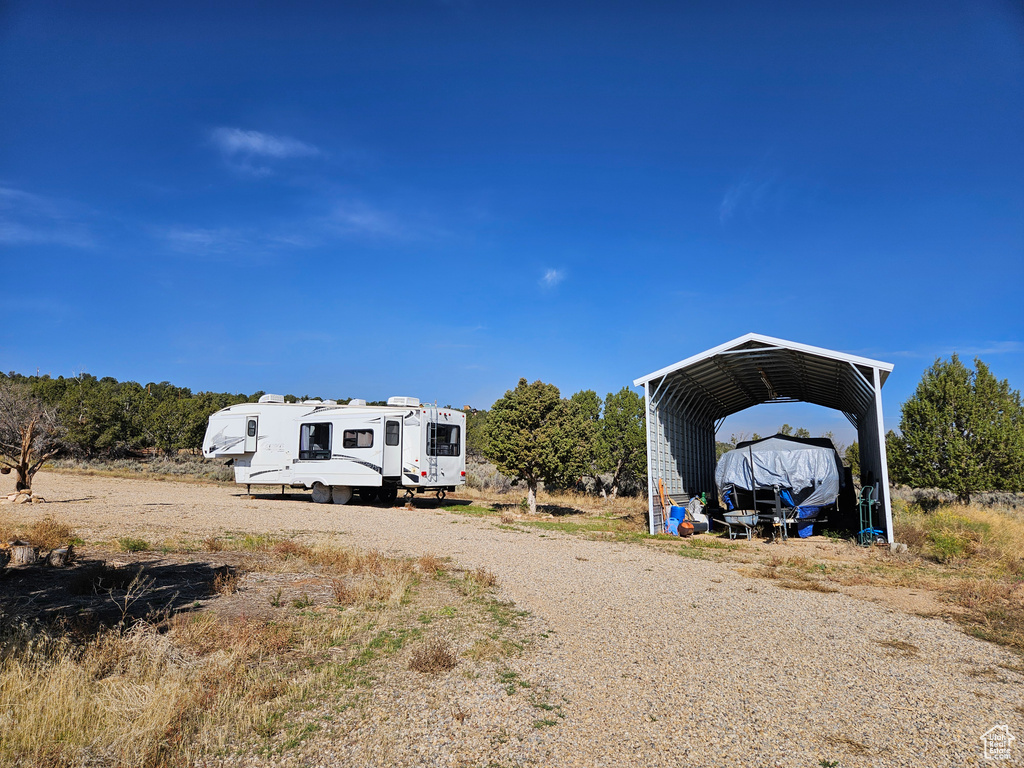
(23, 553)
(60, 557)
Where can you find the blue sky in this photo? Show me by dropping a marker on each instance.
(366, 199)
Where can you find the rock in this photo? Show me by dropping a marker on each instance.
(897, 548)
(21, 498)
(38, 500)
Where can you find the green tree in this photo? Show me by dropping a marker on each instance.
(526, 436)
(801, 432)
(476, 433)
(579, 435)
(961, 431)
(852, 458)
(785, 429)
(621, 447)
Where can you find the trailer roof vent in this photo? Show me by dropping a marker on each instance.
(330, 402)
(404, 402)
(312, 402)
(356, 401)
(271, 398)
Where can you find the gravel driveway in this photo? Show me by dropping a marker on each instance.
(663, 660)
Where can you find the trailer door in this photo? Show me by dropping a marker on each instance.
(251, 423)
(392, 446)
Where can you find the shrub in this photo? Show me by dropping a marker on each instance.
(128, 544)
(433, 656)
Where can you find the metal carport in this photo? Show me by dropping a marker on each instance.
(687, 402)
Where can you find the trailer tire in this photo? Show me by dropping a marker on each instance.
(321, 493)
(341, 494)
(388, 494)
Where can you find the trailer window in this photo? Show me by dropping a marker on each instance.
(251, 431)
(443, 440)
(357, 438)
(391, 433)
(315, 441)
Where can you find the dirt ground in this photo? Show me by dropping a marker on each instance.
(660, 659)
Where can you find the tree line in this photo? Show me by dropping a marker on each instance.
(107, 418)
(962, 430)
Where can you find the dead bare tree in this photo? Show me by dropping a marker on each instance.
(30, 432)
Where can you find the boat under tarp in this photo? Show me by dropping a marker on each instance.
(810, 469)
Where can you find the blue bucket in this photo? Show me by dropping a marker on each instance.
(675, 516)
(803, 531)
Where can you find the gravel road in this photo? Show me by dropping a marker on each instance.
(662, 660)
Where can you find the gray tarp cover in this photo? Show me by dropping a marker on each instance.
(787, 464)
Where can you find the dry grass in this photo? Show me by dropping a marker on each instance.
(970, 557)
(433, 656)
(809, 585)
(170, 690)
(131, 698)
(484, 649)
(225, 582)
(432, 565)
(562, 503)
(344, 594)
(47, 533)
(484, 578)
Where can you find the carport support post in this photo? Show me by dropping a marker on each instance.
(650, 467)
(883, 458)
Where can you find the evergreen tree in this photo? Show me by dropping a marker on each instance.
(579, 434)
(962, 431)
(852, 458)
(622, 438)
(526, 436)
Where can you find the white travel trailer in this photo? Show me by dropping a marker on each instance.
(341, 450)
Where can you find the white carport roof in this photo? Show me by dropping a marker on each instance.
(755, 369)
(687, 401)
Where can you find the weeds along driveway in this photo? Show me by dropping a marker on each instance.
(661, 660)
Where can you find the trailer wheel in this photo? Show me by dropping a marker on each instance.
(367, 495)
(321, 493)
(341, 494)
(388, 494)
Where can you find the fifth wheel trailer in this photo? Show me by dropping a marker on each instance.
(341, 450)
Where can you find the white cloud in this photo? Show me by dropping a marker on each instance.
(357, 218)
(245, 151)
(28, 219)
(751, 196)
(966, 353)
(206, 241)
(552, 277)
(232, 241)
(238, 142)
